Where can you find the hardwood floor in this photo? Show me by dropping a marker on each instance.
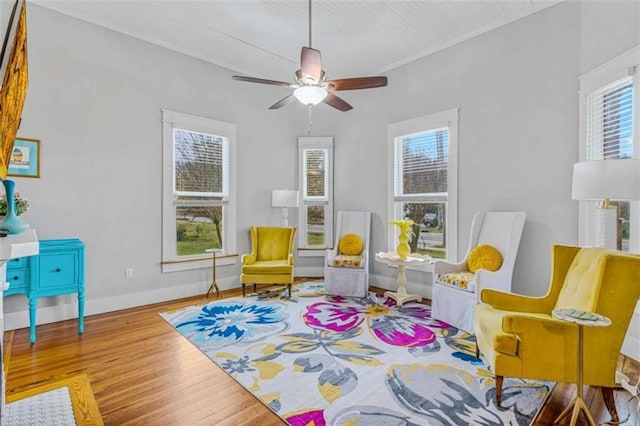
(143, 372)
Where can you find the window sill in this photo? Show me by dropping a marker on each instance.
(198, 263)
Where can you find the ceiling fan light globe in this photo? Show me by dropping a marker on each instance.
(310, 95)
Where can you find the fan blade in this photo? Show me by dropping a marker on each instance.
(311, 63)
(337, 102)
(357, 83)
(284, 101)
(263, 81)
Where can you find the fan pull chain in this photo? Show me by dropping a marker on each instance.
(310, 123)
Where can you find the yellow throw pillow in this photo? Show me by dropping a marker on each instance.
(484, 257)
(350, 244)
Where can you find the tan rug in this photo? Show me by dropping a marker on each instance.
(83, 403)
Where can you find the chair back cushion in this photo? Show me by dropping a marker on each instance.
(582, 283)
(273, 243)
(350, 245)
(484, 257)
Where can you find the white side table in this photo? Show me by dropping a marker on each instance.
(582, 319)
(392, 259)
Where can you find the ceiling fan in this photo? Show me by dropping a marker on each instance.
(311, 86)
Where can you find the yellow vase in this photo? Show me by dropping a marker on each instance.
(403, 248)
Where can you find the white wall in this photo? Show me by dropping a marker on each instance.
(516, 89)
(95, 98)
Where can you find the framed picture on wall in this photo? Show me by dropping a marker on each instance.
(25, 158)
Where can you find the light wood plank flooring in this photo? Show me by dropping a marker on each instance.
(142, 372)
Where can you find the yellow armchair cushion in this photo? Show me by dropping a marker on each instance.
(268, 267)
(350, 245)
(582, 283)
(484, 257)
(463, 280)
(344, 261)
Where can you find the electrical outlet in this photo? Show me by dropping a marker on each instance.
(128, 272)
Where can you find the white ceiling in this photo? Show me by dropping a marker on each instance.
(262, 38)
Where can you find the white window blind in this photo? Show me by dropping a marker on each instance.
(315, 177)
(610, 121)
(201, 166)
(421, 165)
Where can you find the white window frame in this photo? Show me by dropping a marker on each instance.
(325, 143)
(623, 66)
(443, 119)
(171, 262)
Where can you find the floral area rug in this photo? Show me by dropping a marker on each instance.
(316, 359)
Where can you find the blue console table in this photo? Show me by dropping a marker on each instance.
(57, 270)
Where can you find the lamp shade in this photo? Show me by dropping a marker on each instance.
(284, 198)
(603, 179)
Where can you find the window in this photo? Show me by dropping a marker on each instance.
(315, 216)
(423, 182)
(198, 203)
(608, 104)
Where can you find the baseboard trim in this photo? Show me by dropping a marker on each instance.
(68, 306)
(311, 272)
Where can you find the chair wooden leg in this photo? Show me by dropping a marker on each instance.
(255, 288)
(289, 288)
(477, 351)
(610, 403)
(499, 389)
(243, 290)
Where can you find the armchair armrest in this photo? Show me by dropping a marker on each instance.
(330, 254)
(249, 258)
(291, 259)
(524, 325)
(506, 301)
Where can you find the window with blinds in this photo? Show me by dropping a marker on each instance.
(198, 204)
(421, 185)
(315, 219)
(201, 190)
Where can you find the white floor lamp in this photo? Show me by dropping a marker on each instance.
(603, 180)
(284, 198)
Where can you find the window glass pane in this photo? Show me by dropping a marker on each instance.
(315, 180)
(430, 230)
(315, 225)
(423, 163)
(198, 228)
(624, 224)
(198, 159)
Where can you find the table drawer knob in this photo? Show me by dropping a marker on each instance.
(57, 270)
(15, 278)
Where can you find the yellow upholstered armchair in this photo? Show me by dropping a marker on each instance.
(519, 337)
(271, 259)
